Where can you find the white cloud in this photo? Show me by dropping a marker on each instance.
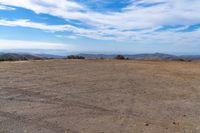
(18, 44)
(69, 37)
(29, 24)
(170, 13)
(116, 25)
(45, 27)
(168, 36)
(3, 7)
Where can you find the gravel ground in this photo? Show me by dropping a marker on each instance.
(99, 96)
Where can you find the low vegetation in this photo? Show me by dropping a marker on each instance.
(18, 57)
(10, 58)
(120, 57)
(75, 57)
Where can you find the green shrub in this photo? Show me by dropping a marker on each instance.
(120, 57)
(7, 59)
(75, 57)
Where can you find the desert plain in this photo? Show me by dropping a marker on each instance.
(99, 96)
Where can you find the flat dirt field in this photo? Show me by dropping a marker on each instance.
(99, 96)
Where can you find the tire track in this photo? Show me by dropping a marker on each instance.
(36, 121)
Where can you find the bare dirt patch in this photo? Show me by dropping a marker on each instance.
(99, 96)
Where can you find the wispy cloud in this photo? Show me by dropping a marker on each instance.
(153, 34)
(3, 7)
(30, 24)
(18, 44)
(140, 20)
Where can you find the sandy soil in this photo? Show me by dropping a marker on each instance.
(94, 96)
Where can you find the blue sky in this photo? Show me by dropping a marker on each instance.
(100, 26)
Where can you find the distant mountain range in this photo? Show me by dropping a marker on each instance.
(191, 57)
(154, 56)
(15, 57)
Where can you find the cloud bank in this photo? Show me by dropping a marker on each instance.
(151, 20)
(17, 44)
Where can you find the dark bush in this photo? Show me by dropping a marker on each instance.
(120, 57)
(185, 60)
(7, 59)
(75, 57)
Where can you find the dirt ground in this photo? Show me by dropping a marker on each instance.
(99, 96)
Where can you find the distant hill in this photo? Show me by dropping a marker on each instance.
(49, 56)
(191, 57)
(154, 56)
(17, 57)
(95, 56)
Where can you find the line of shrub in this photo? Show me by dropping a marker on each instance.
(75, 57)
(120, 57)
(11, 59)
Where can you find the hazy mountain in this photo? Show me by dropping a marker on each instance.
(191, 57)
(49, 56)
(15, 57)
(154, 56)
(95, 56)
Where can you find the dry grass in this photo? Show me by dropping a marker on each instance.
(99, 96)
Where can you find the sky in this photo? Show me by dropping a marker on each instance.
(100, 26)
